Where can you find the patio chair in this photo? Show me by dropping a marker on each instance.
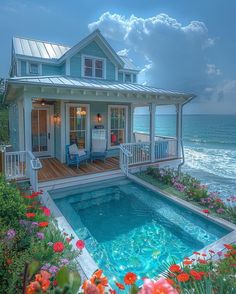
(74, 156)
(99, 145)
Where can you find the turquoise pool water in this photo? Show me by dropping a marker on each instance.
(127, 227)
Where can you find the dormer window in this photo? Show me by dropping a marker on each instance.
(128, 78)
(94, 67)
(34, 68)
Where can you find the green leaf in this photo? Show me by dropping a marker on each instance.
(134, 289)
(33, 267)
(63, 277)
(75, 281)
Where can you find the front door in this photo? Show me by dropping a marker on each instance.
(41, 131)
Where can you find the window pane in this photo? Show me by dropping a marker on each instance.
(98, 73)
(78, 126)
(118, 124)
(88, 72)
(33, 68)
(127, 78)
(78, 138)
(88, 62)
(98, 64)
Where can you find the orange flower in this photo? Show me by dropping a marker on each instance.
(33, 287)
(89, 288)
(171, 282)
(187, 262)
(228, 246)
(196, 275)
(120, 286)
(175, 268)
(43, 224)
(97, 279)
(184, 277)
(112, 291)
(45, 285)
(130, 278)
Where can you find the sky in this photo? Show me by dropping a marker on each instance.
(185, 45)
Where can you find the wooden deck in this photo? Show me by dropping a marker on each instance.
(53, 169)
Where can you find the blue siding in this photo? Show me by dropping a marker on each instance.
(48, 69)
(93, 50)
(120, 77)
(23, 68)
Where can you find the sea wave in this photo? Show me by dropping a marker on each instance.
(218, 162)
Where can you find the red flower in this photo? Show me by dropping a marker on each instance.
(9, 261)
(80, 244)
(130, 278)
(203, 254)
(184, 277)
(187, 262)
(175, 268)
(55, 283)
(212, 251)
(196, 253)
(46, 211)
(112, 291)
(227, 255)
(120, 286)
(43, 224)
(30, 215)
(206, 211)
(202, 261)
(196, 275)
(228, 246)
(58, 247)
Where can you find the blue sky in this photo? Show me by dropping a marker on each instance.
(185, 45)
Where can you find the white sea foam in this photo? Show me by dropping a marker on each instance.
(218, 162)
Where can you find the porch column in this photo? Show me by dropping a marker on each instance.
(152, 130)
(178, 130)
(132, 108)
(27, 104)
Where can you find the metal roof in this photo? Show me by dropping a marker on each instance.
(128, 64)
(92, 84)
(39, 49)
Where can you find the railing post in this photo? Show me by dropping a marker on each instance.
(178, 130)
(152, 130)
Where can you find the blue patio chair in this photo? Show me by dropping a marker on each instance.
(75, 159)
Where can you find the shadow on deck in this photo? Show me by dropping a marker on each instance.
(53, 169)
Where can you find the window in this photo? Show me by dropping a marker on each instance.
(117, 125)
(128, 78)
(78, 117)
(134, 78)
(33, 68)
(94, 67)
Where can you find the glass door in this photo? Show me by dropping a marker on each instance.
(41, 136)
(77, 125)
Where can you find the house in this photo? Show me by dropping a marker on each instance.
(57, 95)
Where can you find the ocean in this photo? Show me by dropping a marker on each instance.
(209, 147)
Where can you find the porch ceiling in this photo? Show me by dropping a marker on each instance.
(98, 86)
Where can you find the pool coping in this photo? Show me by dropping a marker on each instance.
(86, 264)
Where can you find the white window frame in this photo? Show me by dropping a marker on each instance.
(94, 58)
(109, 124)
(28, 63)
(87, 131)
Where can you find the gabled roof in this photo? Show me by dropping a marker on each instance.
(57, 52)
(98, 37)
(128, 64)
(38, 49)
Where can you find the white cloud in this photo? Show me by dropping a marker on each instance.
(212, 70)
(123, 52)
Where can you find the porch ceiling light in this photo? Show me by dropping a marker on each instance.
(43, 103)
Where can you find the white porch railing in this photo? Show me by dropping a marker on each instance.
(22, 165)
(140, 153)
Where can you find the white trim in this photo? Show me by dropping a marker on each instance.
(21, 124)
(18, 69)
(68, 67)
(94, 58)
(109, 124)
(116, 73)
(27, 104)
(63, 131)
(50, 129)
(87, 131)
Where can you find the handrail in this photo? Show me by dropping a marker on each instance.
(22, 165)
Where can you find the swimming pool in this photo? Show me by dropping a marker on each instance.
(127, 227)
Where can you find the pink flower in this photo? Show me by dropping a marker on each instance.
(46, 211)
(80, 244)
(161, 286)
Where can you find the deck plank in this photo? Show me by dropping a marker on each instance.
(53, 169)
